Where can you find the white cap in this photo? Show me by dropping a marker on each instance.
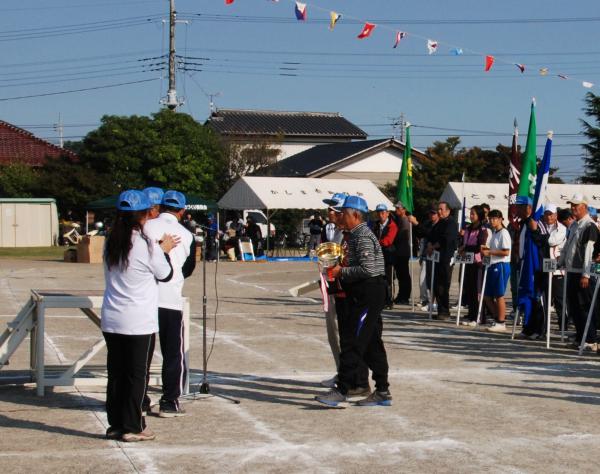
(550, 208)
(578, 198)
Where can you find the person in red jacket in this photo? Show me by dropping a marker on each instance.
(385, 229)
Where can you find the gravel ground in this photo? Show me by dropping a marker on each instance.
(464, 400)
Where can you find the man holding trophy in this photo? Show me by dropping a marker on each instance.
(363, 283)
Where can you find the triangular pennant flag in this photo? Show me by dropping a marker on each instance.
(300, 11)
(456, 51)
(562, 76)
(543, 71)
(333, 19)
(432, 46)
(399, 36)
(366, 31)
(489, 62)
(228, 2)
(521, 67)
(587, 85)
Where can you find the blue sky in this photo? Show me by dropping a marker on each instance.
(274, 62)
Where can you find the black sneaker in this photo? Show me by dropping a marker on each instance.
(114, 433)
(358, 393)
(170, 410)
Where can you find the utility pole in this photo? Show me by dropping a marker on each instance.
(171, 100)
(402, 122)
(60, 128)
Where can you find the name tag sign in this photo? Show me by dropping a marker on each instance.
(467, 259)
(434, 257)
(487, 261)
(550, 265)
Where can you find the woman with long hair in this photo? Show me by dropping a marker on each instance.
(474, 237)
(133, 265)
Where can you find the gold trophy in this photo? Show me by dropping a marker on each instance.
(329, 254)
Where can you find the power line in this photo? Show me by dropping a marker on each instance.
(80, 5)
(386, 21)
(107, 86)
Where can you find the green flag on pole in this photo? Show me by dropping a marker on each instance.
(529, 160)
(404, 194)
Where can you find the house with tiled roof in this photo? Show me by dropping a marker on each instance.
(376, 160)
(291, 132)
(20, 146)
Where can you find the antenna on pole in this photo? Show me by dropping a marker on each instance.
(60, 128)
(398, 127)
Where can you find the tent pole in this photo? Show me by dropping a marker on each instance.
(268, 232)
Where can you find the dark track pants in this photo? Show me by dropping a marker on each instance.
(365, 300)
(126, 362)
(578, 304)
(441, 286)
(170, 334)
(403, 276)
(347, 330)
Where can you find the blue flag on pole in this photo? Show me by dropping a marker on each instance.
(531, 256)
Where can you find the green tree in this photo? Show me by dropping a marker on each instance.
(168, 149)
(591, 130)
(18, 180)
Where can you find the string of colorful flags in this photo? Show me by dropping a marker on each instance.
(301, 12)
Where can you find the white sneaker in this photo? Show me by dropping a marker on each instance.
(588, 347)
(425, 308)
(455, 307)
(329, 383)
(471, 324)
(498, 327)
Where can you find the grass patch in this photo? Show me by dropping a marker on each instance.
(36, 253)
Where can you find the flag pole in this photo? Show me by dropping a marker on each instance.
(410, 262)
(549, 306)
(589, 316)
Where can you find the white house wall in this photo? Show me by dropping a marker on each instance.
(386, 161)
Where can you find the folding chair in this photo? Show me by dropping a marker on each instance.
(246, 247)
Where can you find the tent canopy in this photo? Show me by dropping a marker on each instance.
(193, 203)
(256, 192)
(496, 194)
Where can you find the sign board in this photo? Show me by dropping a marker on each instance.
(550, 265)
(434, 257)
(487, 261)
(466, 259)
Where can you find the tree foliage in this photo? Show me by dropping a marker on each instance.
(250, 158)
(18, 180)
(591, 130)
(168, 149)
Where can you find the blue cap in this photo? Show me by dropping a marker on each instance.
(133, 200)
(154, 195)
(381, 207)
(592, 211)
(174, 199)
(355, 202)
(336, 200)
(524, 200)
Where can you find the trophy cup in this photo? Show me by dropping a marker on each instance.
(329, 254)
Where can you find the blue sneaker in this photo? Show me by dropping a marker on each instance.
(333, 399)
(383, 399)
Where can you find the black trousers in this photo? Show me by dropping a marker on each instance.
(578, 304)
(389, 281)
(170, 334)
(558, 282)
(347, 330)
(472, 289)
(403, 276)
(441, 286)
(365, 302)
(126, 362)
(536, 323)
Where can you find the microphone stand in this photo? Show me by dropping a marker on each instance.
(204, 389)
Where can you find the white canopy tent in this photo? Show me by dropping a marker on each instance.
(496, 194)
(258, 192)
(296, 193)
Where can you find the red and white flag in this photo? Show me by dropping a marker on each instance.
(367, 30)
(489, 62)
(400, 35)
(228, 2)
(432, 46)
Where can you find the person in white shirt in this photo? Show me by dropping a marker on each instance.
(498, 273)
(133, 264)
(170, 300)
